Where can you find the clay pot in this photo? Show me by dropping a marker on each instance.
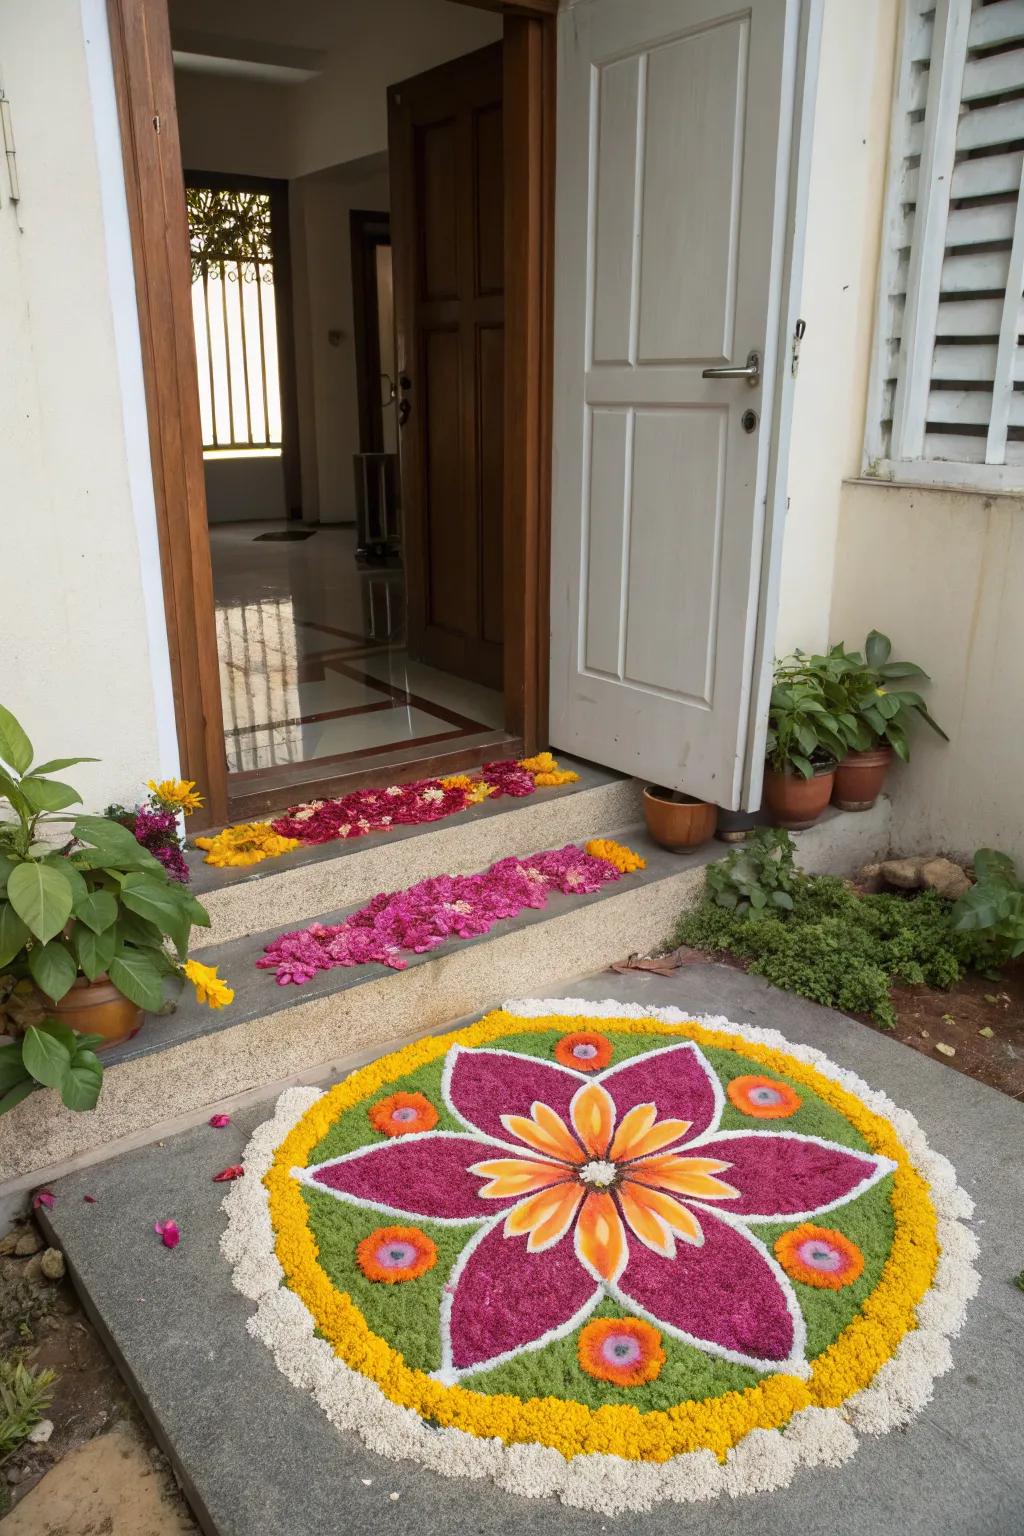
(98, 1008)
(678, 822)
(859, 779)
(795, 802)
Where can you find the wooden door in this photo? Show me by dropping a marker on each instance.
(447, 224)
(675, 120)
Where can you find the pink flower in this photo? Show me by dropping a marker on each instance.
(618, 1184)
(44, 1197)
(226, 1175)
(219, 1121)
(168, 1232)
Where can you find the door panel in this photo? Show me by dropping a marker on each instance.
(673, 166)
(445, 133)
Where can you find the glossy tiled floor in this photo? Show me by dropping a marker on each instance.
(312, 657)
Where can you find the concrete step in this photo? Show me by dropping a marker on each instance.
(291, 890)
(180, 1068)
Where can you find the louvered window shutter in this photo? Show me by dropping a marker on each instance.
(947, 400)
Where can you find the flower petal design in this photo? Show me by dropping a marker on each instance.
(545, 1133)
(693, 1177)
(728, 1296)
(601, 1238)
(427, 1174)
(641, 1132)
(781, 1175)
(481, 1087)
(593, 1117)
(503, 1298)
(546, 1216)
(517, 1176)
(677, 1079)
(657, 1218)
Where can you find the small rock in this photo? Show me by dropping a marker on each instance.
(988, 1032)
(871, 871)
(905, 874)
(14, 1475)
(945, 878)
(28, 1242)
(10, 1242)
(42, 1432)
(946, 1050)
(52, 1264)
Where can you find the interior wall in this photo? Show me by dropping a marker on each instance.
(82, 630)
(844, 217)
(249, 488)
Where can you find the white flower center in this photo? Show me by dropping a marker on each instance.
(599, 1172)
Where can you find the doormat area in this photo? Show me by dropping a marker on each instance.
(607, 1253)
(285, 535)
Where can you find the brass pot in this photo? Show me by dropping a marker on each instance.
(794, 802)
(97, 1008)
(859, 779)
(678, 822)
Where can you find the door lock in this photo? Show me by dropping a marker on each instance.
(751, 371)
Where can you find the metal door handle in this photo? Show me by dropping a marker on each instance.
(752, 371)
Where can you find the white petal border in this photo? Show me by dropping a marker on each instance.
(761, 1461)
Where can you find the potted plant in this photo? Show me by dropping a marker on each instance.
(677, 821)
(92, 927)
(883, 716)
(808, 733)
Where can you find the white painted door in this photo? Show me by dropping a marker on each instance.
(674, 243)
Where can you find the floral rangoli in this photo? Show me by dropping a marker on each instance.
(606, 1253)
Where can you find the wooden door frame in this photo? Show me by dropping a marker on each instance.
(367, 230)
(154, 183)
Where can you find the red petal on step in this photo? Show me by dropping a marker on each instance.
(219, 1121)
(227, 1174)
(43, 1197)
(89, 1199)
(168, 1232)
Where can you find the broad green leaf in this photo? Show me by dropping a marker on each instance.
(45, 1057)
(15, 1095)
(758, 899)
(782, 899)
(936, 727)
(12, 1068)
(137, 978)
(10, 790)
(14, 934)
(158, 904)
(41, 897)
(68, 872)
(803, 766)
(83, 1081)
(113, 845)
(897, 669)
(132, 929)
(97, 910)
(94, 951)
(53, 969)
(15, 747)
(6, 865)
(990, 864)
(877, 649)
(57, 763)
(49, 794)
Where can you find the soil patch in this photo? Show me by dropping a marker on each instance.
(962, 1018)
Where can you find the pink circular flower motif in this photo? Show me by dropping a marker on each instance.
(621, 1184)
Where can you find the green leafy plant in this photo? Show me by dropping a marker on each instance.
(864, 680)
(25, 1395)
(993, 909)
(837, 948)
(808, 727)
(79, 896)
(757, 876)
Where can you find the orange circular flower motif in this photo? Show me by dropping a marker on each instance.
(392, 1254)
(585, 1051)
(763, 1097)
(402, 1113)
(624, 1351)
(819, 1256)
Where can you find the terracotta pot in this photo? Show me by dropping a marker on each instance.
(98, 1008)
(859, 779)
(795, 802)
(678, 822)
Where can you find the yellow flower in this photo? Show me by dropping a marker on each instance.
(881, 692)
(546, 772)
(176, 794)
(476, 789)
(249, 843)
(209, 987)
(618, 854)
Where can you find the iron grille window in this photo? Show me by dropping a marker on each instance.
(947, 401)
(235, 317)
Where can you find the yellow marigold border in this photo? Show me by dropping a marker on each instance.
(848, 1365)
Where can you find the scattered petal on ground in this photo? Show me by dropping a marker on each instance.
(43, 1197)
(235, 1171)
(168, 1232)
(219, 1121)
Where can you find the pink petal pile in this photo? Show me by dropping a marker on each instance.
(426, 914)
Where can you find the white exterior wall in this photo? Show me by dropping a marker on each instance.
(82, 632)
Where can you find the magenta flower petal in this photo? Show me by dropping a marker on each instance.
(728, 1295)
(481, 1086)
(784, 1176)
(502, 1299)
(168, 1232)
(677, 1079)
(423, 1174)
(44, 1197)
(219, 1121)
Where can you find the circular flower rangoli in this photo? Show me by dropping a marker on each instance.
(615, 1274)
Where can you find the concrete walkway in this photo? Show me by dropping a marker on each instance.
(258, 1458)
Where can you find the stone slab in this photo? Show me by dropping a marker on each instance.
(257, 1457)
